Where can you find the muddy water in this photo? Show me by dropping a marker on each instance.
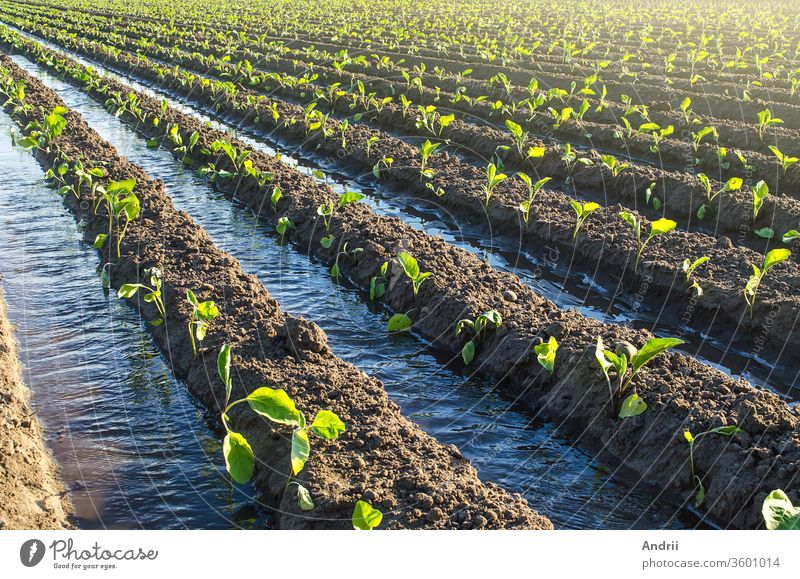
(505, 443)
(548, 272)
(134, 448)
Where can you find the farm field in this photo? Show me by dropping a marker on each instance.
(375, 265)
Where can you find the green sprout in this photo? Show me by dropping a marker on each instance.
(693, 441)
(478, 326)
(772, 258)
(582, 211)
(658, 227)
(202, 314)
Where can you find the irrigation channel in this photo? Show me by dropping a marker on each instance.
(548, 273)
(114, 406)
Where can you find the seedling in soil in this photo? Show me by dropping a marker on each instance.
(202, 314)
(613, 165)
(384, 164)
(121, 203)
(478, 326)
(546, 354)
(658, 227)
(533, 189)
(785, 160)
(619, 361)
(42, 134)
(493, 179)
(772, 258)
(686, 110)
(284, 224)
(693, 440)
(335, 270)
(791, 236)
(520, 137)
(765, 120)
(365, 517)
(427, 149)
(276, 196)
(732, 184)
(688, 269)
(235, 156)
(377, 285)
(276, 406)
(371, 141)
(582, 211)
(760, 192)
(151, 294)
(701, 134)
(570, 159)
(411, 268)
(779, 513)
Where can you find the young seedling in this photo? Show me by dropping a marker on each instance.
(582, 211)
(570, 159)
(277, 407)
(686, 110)
(377, 285)
(412, 271)
(121, 203)
(688, 269)
(335, 269)
(493, 179)
(765, 120)
(478, 326)
(384, 164)
(41, 135)
(426, 149)
(618, 361)
(546, 354)
(732, 184)
(760, 192)
(613, 165)
(533, 189)
(701, 134)
(693, 440)
(785, 160)
(365, 517)
(276, 196)
(658, 227)
(202, 314)
(779, 513)
(772, 258)
(283, 225)
(520, 137)
(151, 294)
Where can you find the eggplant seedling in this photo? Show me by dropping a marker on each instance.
(582, 211)
(772, 258)
(384, 164)
(613, 165)
(688, 269)
(732, 184)
(520, 137)
(779, 513)
(277, 407)
(694, 440)
(658, 227)
(546, 354)
(377, 285)
(202, 314)
(760, 192)
(571, 160)
(336, 272)
(785, 160)
(493, 179)
(284, 224)
(412, 271)
(365, 517)
(151, 294)
(619, 361)
(765, 120)
(533, 189)
(121, 203)
(477, 326)
(426, 149)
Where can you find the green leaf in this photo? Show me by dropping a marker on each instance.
(398, 323)
(726, 430)
(27, 143)
(327, 425)
(791, 235)
(349, 197)
(779, 513)
(239, 459)
(776, 256)
(224, 369)
(327, 241)
(662, 226)
(468, 352)
(100, 241)
(365, 517)
(207, 310)
(632, 406)
(765, 232)
(536, 152)
(652, 349)
(301, 448)
(304, 498)
(128, 290)
(410, 265)
(121, 188)
(275, 405)
(546, 354)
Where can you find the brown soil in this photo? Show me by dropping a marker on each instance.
(31, 494)
(383, 457)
